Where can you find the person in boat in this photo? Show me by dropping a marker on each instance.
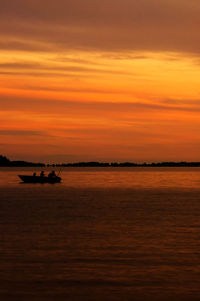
(42, 174)
(52, 174)
(34, 174)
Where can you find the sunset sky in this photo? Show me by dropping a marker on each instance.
(106, 80)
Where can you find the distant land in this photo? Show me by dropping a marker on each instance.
(5, 162)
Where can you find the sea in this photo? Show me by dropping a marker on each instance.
(103, 234)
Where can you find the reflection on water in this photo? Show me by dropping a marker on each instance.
(130, 234)
(131, 177)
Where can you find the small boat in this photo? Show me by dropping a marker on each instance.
(39, 179)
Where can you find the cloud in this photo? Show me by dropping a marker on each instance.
(103, 25)
(21, 133)
(80, 118)
(41, 69)
(86, 107)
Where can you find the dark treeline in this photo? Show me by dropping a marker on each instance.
(129, 164)
(4, 161)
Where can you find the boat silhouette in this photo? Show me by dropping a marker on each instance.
(39, 179)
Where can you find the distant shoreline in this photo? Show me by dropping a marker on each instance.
(5, 162)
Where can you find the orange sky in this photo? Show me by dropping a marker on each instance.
(100, 80)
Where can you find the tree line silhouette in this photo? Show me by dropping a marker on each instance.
(4, 161)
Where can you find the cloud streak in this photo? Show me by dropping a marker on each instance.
(64, 106)
(104, 25)
(21, 133)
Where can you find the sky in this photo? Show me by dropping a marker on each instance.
(100, 80)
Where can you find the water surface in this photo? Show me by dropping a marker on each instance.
(102, 234)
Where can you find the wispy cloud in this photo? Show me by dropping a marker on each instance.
(105, 25)
(64, 106)
(21, 133)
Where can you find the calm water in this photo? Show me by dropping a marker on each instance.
(104, 234)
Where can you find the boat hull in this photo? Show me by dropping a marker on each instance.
(38, 179)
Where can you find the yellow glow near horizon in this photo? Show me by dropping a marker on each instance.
(82, 97)
(89, 75)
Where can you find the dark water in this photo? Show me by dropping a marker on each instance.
(106, 234)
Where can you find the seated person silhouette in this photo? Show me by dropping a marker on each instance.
(42, 174)
(34, 174)
(52, 174)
